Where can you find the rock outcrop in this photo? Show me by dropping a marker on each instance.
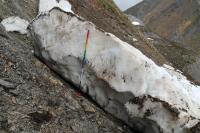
(117, 76)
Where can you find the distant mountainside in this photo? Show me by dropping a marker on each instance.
(175, 20)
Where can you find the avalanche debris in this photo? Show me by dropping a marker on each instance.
(15, 24)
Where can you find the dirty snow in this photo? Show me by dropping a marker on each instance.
(46, 5)
(15, 23)
(123, 67)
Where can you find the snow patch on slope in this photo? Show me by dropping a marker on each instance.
(121, 67)
(135, 21)
(46, 5)
(15, 24)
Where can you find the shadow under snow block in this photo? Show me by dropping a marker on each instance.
(118, 77)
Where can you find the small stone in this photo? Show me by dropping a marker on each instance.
(14, 100)
(89, 109)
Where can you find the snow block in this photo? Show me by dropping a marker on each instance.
(46, 5)
(16, 24)
(121, 79)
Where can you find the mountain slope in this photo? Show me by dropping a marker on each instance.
(175, 20)
(32, 97)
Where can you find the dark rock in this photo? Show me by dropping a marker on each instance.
(40, 117)
(6, 84)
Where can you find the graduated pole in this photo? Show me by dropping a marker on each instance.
(84, 60)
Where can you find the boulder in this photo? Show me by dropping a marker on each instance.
(121, 79)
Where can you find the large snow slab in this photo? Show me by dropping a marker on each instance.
(118, 76)
(15, 24)
(46, 5)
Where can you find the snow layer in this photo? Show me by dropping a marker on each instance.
(15, 24)
(46, 5)
(116, 68)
